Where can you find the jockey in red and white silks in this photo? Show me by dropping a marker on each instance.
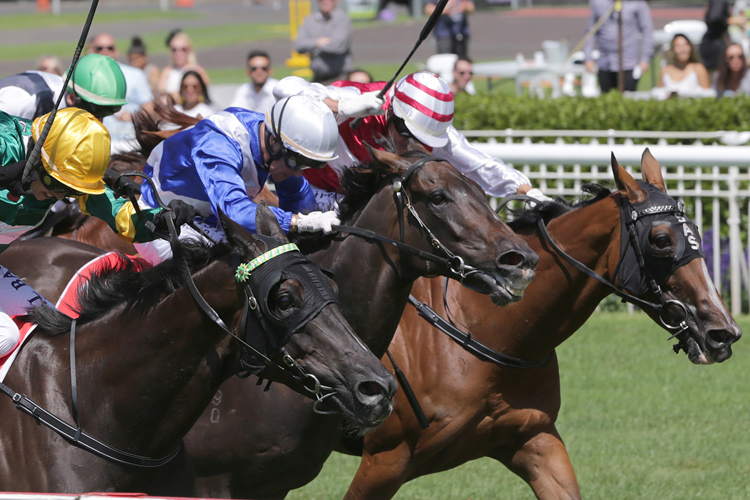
(423, 103)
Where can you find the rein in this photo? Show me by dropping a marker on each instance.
(630, 216)
(456, 265)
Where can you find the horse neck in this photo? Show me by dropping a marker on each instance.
(175, 360)
(374, 283)
(561, 298)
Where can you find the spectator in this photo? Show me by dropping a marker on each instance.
(183, 59)
(138, 58)
(732, 77)
(359, 76)
(462, 73)
(50, 64)
(452, 29)
(257, 95)
(194, 100)
(636, 23)
(138, 89)
(683, 75)
(718, 18)
(327, 37)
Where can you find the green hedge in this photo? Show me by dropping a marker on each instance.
(494, 111)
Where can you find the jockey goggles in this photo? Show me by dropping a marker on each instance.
(53, 185)
(293, 160)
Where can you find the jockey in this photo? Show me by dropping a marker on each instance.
(73, 159)
(97, 86)
(420, 106)
(225, 159)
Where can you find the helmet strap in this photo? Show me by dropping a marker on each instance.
(275, 132)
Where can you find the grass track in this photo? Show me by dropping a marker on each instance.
(640, 423)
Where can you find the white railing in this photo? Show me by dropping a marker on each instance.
(711, 179)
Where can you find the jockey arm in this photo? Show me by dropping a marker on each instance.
(119, 214)
(493, 175)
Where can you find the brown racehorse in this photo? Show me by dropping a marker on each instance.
(148, 359)
(509, 414)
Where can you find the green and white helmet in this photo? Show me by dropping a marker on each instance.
(99, 80)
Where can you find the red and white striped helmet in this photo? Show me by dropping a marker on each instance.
(425, 102)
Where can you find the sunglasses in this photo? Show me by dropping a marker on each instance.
(56, 187)
(465, 72)
(102, 48)
(255, 68)
(179, 49)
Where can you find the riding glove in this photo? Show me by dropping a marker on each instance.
(364, 105)
(537, 195)
(10, 179)
(181, 213)
(317, 221)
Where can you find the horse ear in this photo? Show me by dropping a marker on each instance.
(651, 171)
(390, 159)
(626, 184)
(268, 224)
(237, 235)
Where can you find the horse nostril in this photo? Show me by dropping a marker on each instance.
(512, 259)
(722, 336)
(371, 388)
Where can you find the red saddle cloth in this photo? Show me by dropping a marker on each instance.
(68, 301)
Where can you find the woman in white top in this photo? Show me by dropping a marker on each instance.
(194, 100)
(684, 75)
(183, 59)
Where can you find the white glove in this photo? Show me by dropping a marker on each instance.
(364, 105)
(537, 195)
(317, 221)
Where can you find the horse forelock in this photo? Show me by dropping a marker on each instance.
(525, 219)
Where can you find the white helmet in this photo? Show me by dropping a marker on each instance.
(425, 102)
(305, 126)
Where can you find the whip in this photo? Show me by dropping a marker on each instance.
(34, 156)
(439, 8)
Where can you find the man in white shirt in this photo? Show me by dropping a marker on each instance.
(258, 94)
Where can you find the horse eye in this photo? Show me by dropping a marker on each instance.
(438, 197)
(284, 302)
(662, 242)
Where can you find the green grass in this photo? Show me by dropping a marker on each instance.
(639, 422)
(39, 21)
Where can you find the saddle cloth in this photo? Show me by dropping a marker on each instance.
(67, 303)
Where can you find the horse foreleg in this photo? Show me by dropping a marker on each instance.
(543, 463)
(380, 476)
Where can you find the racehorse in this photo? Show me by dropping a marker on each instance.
(374, 280)
(146, 355)
(478, 408)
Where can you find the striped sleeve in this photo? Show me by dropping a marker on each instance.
(120, 215)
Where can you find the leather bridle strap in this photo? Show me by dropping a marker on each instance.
(469, 343)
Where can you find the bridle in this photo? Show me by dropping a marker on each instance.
(458, 269)
(629, 216)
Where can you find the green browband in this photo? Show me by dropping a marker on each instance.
(244, 270)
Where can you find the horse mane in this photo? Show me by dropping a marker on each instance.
(148, 131)
(548, 210)
(127, 284)
(360, 183)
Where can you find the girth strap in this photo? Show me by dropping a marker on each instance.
(470, 344)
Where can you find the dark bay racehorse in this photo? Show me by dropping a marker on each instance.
(479, 409)
(149, 360)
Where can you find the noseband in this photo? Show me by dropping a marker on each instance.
(458, 269)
